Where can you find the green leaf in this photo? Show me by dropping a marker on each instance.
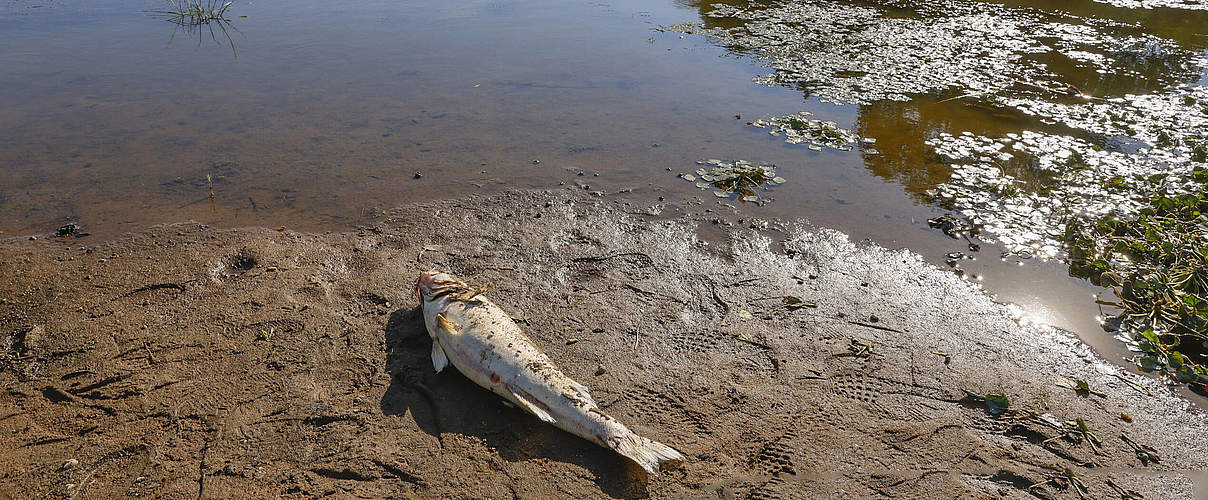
(997, 404)
(1176, 360)
(1185, 373)
(1151, 336)
(1150, 363)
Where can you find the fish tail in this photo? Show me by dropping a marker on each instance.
(647, 453)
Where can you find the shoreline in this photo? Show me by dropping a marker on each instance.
(205, 361)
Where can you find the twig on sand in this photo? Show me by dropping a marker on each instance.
(878, 327)
(725, 308)
(157, 286)
(201, 470)
(1132, 384)
(425, 248)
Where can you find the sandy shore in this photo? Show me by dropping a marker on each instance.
(190, 362)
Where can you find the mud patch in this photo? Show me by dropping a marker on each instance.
(186, 398)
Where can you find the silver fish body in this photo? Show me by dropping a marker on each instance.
(483, 343)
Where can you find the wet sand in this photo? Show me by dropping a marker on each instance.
(186, 361)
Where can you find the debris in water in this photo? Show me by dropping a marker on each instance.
(798, 128)
(739, 179)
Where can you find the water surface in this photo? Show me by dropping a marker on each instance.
(317, 115)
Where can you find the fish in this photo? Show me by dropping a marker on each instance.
(478, 338)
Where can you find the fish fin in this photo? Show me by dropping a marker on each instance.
(439, 360)
(531, 405)
(449, 326)
(583, 391)
(645, 452)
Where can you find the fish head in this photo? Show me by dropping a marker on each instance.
(434, 284)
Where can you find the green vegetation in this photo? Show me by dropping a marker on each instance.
(194, 12)
(197, 16)
(739, 179)
(1157, 266)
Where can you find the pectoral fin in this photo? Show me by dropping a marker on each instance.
(439, 360)
(531, 405)
(447, 325)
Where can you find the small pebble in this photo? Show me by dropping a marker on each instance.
(71, 463)
(418, 175)
(600, 370)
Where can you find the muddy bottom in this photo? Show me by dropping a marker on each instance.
(190, 362)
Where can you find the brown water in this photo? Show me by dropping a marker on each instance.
(324, 112)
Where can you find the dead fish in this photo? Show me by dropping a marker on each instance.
(483, 342)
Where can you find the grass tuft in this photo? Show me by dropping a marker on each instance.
(194, 12)
(196, 17)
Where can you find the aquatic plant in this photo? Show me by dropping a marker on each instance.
(738, 179)
(798, 128)
(859, 54)
(1157, 266)
(197, 16)
(194, 12)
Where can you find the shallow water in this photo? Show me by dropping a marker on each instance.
(322, 115)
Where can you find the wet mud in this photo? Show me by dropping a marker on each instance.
(186, 361)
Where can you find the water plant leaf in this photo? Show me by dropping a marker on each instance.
(1149, 335)
(1175, 360)
(1081, 425)
(1149, 363)
(997, 404)
(1079, 386)
(739, 179)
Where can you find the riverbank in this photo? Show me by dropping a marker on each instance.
(783, 361)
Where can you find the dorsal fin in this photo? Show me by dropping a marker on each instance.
(583, 391)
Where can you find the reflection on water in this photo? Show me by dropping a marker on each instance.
(195, 19)
(1050, 51)
(902, 128)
